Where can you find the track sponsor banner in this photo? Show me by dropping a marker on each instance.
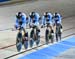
(4, 0)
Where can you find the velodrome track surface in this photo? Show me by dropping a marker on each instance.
(7, 19)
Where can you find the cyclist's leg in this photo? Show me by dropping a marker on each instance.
(60, 31)
(47, 36)
(31, 41)
(56, 37)
(37, 34)
(38, 37)
(52, 34)
(24, 30)
(23, 27)
(60, 36)
(61, 28)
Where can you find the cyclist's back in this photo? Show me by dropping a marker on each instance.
(47, 18)
(34, 18)
(57, 18)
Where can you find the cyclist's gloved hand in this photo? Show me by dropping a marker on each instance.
(18, 28)
(42, 26)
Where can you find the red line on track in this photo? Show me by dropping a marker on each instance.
(11, 45)
(7, 46)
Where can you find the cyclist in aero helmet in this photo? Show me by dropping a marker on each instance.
(46, 19)
(34, 19)
(57, 18)
(20, 20)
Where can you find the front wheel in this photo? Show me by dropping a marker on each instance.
(19, 41)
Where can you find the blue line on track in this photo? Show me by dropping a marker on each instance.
(52, 50)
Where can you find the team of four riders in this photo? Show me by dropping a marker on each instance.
(52, 22)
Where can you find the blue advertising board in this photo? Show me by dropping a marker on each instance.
(4, 0)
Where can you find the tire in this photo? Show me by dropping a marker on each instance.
(31, 43)
(60, 36)
(19, 41)
(26, 44)
(38, 41)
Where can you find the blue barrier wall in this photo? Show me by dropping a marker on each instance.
(4, 0)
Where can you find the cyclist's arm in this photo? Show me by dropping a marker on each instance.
(60, 17)
(24, 22)
(37, 16)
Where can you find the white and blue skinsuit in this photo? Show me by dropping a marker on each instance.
(36, 18)
(23, 19)
(59, 18)
(44, 19)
